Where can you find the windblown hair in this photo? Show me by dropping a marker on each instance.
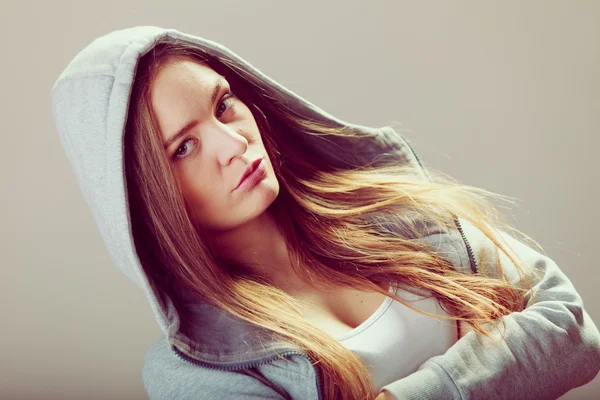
(330, 218)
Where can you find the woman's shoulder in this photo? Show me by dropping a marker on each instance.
(166, 375)
(451, 245)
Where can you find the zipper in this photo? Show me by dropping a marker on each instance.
(250, 364)
(472, 260)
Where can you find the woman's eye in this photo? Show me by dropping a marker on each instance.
(229, 96)
(178, 155)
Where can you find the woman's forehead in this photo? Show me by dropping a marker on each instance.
(185, 72)
(181, 91)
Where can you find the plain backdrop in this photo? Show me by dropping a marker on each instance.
(502, 95)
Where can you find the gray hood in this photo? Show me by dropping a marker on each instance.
(90, 104)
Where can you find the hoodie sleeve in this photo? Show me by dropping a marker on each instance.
(549, 348)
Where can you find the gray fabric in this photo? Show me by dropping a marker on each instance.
(551, 347)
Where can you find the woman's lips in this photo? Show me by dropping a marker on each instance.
(253, 177)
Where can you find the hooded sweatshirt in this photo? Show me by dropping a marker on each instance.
(549, 348)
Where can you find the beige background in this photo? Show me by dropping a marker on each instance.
(504, 95)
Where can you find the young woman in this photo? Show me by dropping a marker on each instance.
(288, 254)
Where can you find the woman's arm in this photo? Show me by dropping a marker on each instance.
(549, 348)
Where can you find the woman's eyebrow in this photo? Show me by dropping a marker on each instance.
(194, 122)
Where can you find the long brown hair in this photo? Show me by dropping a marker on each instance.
(330, 216)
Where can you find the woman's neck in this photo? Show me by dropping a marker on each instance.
(259, 246)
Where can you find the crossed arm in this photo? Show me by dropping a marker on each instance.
(549, 348)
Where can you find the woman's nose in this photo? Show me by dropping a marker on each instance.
(229, 143)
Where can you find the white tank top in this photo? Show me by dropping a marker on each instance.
(395, 340)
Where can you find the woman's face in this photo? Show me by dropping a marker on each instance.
(221, 141)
